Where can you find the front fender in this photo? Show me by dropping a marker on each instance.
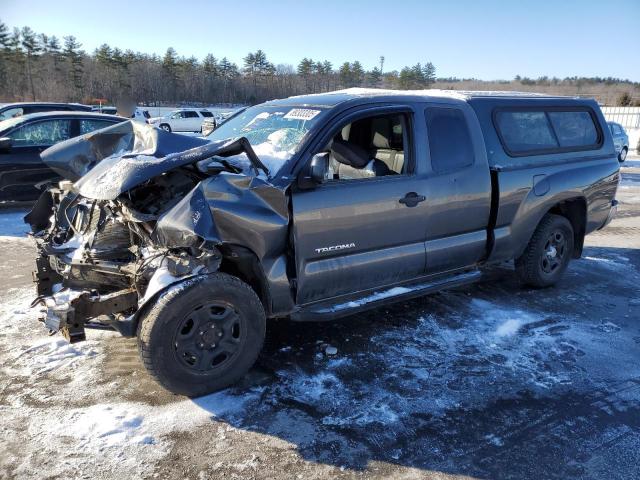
(128, 327)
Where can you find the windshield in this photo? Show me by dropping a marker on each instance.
(274, 132)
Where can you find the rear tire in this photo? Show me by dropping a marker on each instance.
(165, 127)
(202, 335)
(548, 253)
(622, 156)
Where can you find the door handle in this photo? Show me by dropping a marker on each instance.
(412, 199)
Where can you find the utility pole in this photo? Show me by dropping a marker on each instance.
(381, 63)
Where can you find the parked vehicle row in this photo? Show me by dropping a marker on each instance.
(311, 208)
(12, 110)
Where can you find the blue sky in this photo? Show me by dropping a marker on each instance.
(482, 39)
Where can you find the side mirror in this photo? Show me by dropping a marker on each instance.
(318, 167)
(316, 172)
(5, 144)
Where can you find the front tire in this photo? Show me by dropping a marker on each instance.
(622, 156)
(165, 127)
(202, 335)
(548, 253)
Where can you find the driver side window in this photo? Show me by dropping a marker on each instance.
(369, 147)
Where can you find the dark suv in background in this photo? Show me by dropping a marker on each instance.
(23, 138)
(12, 110)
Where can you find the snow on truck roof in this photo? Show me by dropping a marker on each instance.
(339, 96)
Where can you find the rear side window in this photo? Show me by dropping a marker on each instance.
(574, 129)
(449, 139)
(190, 114)
(526, 131)
(204, 113)
(540, 131)
(87, 126)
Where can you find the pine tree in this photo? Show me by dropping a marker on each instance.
(345, 74)
(31, 47)
(306, 70)
(103, 55)
(228, 69)
(170, 69)
(4, 36)
(73, 55)
(375, 76)
(305, 67)
(57, 60)
(328, 71)
(210, 65)
(429, 74)
(4, 49)
(357, 73)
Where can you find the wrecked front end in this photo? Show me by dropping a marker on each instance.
(143, 218)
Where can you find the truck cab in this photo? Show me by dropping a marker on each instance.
(311, 208)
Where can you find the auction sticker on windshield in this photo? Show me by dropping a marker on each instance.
(301, 114)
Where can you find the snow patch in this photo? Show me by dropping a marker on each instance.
(54, 353)
(508, 328)
(392, 292)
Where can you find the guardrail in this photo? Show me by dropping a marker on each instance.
(628, 117)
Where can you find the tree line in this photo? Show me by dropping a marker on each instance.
(35, 66)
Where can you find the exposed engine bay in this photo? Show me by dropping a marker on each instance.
(143, 218)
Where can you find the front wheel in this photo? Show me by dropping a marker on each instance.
(548, 253)
(165, 127)
(202, 335)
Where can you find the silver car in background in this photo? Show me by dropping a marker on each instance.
(620, 140)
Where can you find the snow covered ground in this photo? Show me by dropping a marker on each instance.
(488, 381)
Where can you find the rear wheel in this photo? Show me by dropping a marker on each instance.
(548, 253)
(165, 127)
(202, 335)
(622, 156)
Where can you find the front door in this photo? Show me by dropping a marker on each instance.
(364, 228)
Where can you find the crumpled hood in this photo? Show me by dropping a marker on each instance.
(74, 158)
(114, 160)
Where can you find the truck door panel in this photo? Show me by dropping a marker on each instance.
(458, 188)
(357, 235)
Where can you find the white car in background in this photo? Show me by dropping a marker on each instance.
(182, 120)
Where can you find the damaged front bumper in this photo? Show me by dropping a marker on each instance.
(97, 267)
(70, 312)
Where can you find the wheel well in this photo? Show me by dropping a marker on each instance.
(244, 264)
(574, 210)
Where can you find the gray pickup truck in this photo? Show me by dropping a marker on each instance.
(310, 208)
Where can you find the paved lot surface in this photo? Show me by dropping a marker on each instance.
(489, 381)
